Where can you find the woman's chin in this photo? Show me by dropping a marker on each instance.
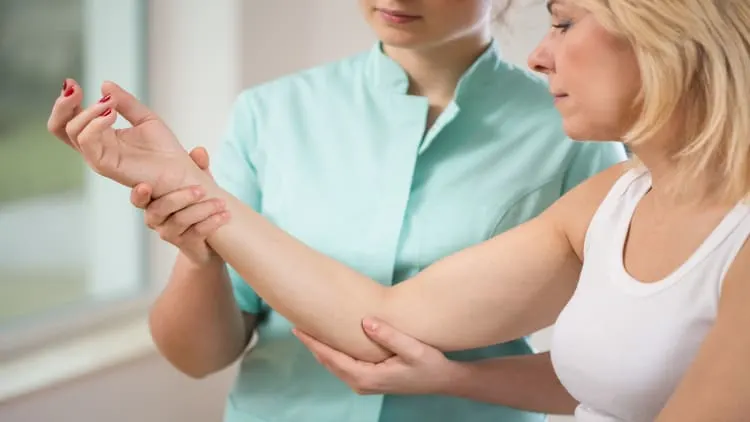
(577, 130)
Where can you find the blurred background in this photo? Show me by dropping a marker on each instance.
(78, 270)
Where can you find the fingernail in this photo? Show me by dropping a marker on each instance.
(69, 92)
(65, 85)
(106, 112)
(105, 98)
(370, 325)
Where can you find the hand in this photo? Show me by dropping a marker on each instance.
(147, 152)
(181, 217)
(416, 367)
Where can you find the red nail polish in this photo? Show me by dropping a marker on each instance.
(105, 98)
(106, 112)
(69, 92)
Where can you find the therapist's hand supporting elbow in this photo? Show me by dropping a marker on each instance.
(416, 368)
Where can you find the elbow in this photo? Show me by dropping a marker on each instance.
(194, 373)
(183, 357)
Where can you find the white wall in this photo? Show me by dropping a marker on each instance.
(236, 44)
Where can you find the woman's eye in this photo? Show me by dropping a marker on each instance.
(563, 26)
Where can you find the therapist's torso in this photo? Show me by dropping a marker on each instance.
(340, 158)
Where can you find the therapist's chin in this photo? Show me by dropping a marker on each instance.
(402, 39)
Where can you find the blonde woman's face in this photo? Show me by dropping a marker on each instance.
(592, 73)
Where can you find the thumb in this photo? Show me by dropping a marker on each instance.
(127, 105)
(408, 348)
(140, 196)
(200, 157)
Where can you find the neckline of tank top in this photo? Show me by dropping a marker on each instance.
(620, 275)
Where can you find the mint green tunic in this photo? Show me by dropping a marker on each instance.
(339, 157)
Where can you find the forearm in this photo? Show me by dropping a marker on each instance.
(317, 294)
(521, 382)
(196, 323)
(329, 300)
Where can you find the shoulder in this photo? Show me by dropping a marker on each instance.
(575, 210)
(735, 292)
(721, 363)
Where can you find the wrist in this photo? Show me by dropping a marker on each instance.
(180, 174)
(212, 264)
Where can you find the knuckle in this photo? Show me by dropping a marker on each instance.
(168, 235)
(200, 231)
(70, 131)
(154, 212)
(151, 219)
(83, 139)
(360, 383)
(180, 221)
(419, 352)
(52, 126)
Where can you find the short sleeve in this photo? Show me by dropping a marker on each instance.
(234, 171)
(590, 159)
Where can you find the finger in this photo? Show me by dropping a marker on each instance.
(178, 223)
(95, 135)
(408, 348)
(128, 105)
(200, 157)
(208, 226)
(66, 107)
(75, 126)
(140, 196)
(159, 210)
(333, 359)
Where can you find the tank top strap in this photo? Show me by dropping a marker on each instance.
(614, 205)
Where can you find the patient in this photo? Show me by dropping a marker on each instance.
(643, 267)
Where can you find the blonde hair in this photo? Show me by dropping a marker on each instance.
(694, 59)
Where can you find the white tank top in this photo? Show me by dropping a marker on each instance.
(620, 346)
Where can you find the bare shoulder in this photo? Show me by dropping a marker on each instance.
(573, 212)
(736, 285)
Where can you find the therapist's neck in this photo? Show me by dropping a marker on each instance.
(434, 71)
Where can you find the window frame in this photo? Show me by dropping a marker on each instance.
(122, 27)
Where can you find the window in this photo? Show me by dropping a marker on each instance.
(72, 249)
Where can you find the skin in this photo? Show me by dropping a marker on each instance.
(434, 51)
(539, 262)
